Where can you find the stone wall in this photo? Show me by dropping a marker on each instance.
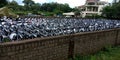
(59, 47)
(89, 43)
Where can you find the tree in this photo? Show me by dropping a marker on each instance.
(14, 5)
(51, 7)
(28, 4)
(112, 11)
(36, 8)
(77, 11)
(3, 3)
(107, 11)
(13, 2)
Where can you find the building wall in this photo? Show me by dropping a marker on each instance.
(59, 47)
(93, 9)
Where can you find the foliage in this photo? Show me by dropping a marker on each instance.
(93, 16)
(112, 11)
(14, 5)
(77, 11)
(6, 40)
(108, 54)
(20, 13)
(3, 3)
(29, 5)
(51, 7)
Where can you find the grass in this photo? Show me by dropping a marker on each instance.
(107, 54)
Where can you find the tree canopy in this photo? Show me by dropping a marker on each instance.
(3, 3)
(32, 7)
(112, 11)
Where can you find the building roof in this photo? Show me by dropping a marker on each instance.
(92, 0)
(82, 6)
(69, 14)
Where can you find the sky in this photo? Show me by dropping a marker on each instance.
(72, 3)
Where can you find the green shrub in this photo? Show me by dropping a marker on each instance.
(6, 40)
(108, 53)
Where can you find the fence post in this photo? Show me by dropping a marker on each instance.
(116, 39)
